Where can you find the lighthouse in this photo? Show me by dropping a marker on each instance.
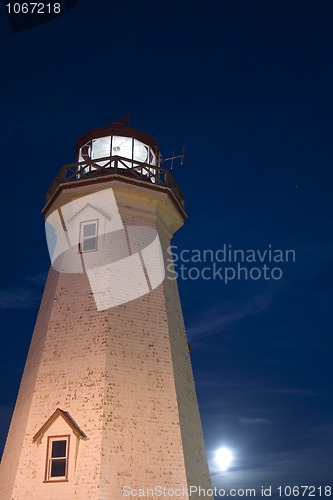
(107, 406)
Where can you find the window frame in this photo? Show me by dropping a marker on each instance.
(56, 479)
(84, 238)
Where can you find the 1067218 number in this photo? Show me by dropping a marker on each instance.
(33, 8)
(304, 491)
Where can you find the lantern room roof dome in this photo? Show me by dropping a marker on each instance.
(116, 129)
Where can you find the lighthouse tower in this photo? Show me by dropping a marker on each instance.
(107, 406)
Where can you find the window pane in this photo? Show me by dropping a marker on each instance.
(58, 468)
(140, 151)
(89, 244)
(58, 449)
(101, 147)
(89, 229)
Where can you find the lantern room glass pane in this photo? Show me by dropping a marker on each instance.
(152, 157)
(140, 151)
(101, 147)
(122, 146)
(85, 152)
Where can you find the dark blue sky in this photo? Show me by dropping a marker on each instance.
(246, 86)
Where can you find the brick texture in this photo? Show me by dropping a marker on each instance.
(123, 374)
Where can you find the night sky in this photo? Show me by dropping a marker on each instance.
(246, 87)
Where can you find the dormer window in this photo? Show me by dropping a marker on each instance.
(57, 458)
(88, 239)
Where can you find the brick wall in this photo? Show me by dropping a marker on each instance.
(123, 374)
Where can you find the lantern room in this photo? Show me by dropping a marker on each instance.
(116, 151)
(118, 147)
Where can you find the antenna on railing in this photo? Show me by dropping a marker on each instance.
(175, 157)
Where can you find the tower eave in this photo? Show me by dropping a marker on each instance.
(111, 179)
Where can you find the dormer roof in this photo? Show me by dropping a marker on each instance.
(68, 419)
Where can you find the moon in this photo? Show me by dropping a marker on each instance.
(223, 458)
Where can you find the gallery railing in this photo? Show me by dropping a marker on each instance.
(120, 166)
